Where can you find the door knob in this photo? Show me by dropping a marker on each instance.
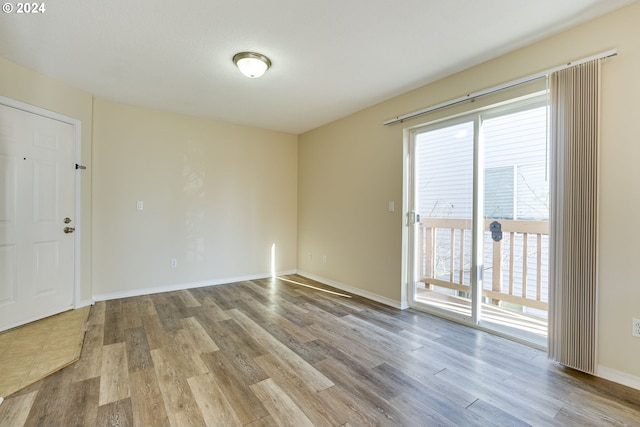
(69, 230)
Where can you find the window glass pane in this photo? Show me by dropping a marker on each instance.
(445, 172)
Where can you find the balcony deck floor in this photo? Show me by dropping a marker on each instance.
(527, 323)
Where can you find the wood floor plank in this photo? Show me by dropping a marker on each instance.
(315, 379)
(146, 306)
(281, 305)
(155, 332)
(357, 409)
(96, 314)
(188, 299)
(330, 330)
(422, 415)
(369, 397)
(47, 411)
(568, 417)
(380, 320)
(180, 404)
(347, 408)
(599, 407)
(490, 412)
(224, 297)
(201, 340)
(131, 314)
(147, 402)
(266, 421)
(114, 375)
(115, 414)
(84, 396)
(90, 363)
(113, 323)
(214, 406)
(284, 411)
(213, 310)
(168, 316)
(182, 356)
(350, 375)
(264, 316)
(14, 412)
(312, 298)
(296, 387)
(445, 397)
(247, 406)
(138, 352)
(536, 413)
(240, 347)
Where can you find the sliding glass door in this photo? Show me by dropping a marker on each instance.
(479, 210)
(443, 159)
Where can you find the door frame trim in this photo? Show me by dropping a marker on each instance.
(77, 126)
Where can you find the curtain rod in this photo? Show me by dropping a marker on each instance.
(503, 86)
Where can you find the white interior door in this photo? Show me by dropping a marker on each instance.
(37, 195)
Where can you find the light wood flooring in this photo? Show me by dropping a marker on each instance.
(276, 353)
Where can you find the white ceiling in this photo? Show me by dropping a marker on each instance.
(330, 57)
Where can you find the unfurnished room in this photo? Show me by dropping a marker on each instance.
(294, 213)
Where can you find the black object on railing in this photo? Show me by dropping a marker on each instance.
(496, 231)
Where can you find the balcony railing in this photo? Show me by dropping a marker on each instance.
(515, 268)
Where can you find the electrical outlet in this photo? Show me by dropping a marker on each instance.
(635, 331)
(174, 263)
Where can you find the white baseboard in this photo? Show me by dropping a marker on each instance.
(618, 377)
(356, 291)
(182, 286)
(85, 303)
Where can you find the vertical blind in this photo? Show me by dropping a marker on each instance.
(574, 132)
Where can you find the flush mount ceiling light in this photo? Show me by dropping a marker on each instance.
(251, 64)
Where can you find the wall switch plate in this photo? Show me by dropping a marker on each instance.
(324, 259)
(139, 205)
(635, 331)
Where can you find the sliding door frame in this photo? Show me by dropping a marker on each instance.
(410, 241)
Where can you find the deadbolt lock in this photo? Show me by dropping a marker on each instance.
(67, 220)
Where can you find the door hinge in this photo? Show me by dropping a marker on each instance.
(80, 167)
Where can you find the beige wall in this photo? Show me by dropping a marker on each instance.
(21, 84)
(216, 197)
(350, 169)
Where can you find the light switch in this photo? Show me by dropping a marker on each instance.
(139, 205)
(392, 206)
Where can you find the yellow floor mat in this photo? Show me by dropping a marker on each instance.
(33, 351)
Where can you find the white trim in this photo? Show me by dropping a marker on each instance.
(618, 377)
(408, 277)
(474, 95)
(402, 305)
(1, 400)
(85, 303)
(77, 126)
(183, 286)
